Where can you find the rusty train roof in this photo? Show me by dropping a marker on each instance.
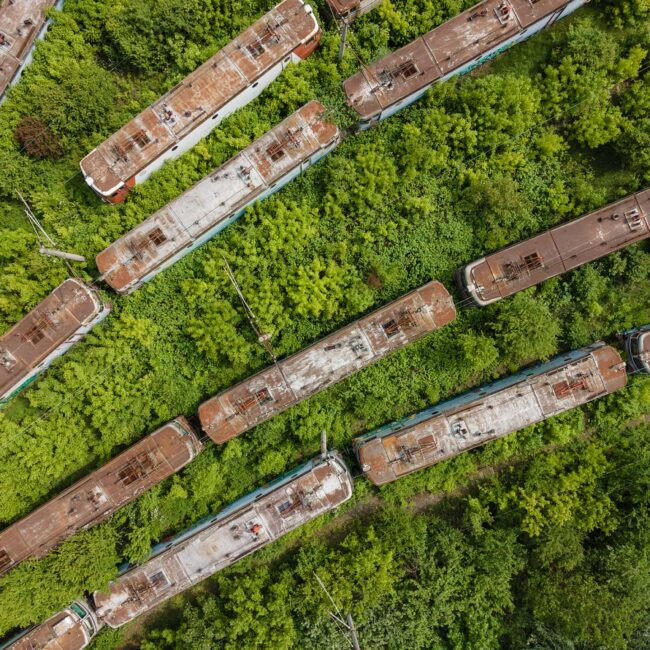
(218, 542)
(560, 249)
(490, 412)
(216, 197)
(20, 23)
(326, 362)
(70, 306)
(440, 51)
(200, 95)
(65, 630)
(98, 495)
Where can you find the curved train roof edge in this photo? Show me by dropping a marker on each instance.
(474, 393)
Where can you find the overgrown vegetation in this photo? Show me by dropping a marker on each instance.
(552, 552)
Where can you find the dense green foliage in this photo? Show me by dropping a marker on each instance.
(555, 128)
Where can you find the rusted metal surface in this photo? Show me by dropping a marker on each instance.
(490, 412)
(218, 542)
(71, 629)
(288, 31)
(347, 9)
(20, 24)
(58, 321)
(560, 249)
(95, 497)
(212, 203)
(326, 362)
(637, 348)
(451, 46)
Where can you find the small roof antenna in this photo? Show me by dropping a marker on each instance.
(263, 337)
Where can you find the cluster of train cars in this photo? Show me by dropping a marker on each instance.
(231, 78)
(288, 34)
(324, 483)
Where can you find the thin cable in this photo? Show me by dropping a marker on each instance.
(93, 282)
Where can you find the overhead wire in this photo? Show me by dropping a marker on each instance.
(462, 303)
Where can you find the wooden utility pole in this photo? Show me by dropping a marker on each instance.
(344, 38)
(323, 444)
(43, 238)
(347, 623)
(263, 337)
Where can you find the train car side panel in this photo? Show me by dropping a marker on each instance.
(326, 362)
(258, 519)
(490, 412)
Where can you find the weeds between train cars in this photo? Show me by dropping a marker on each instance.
(402, 77)
(436, 434)
(403, 321)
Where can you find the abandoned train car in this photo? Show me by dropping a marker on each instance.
(557, 250)
(216, 542)
(230, 79)
(95, 497)
(64, 317)
(490, 412)
(326, 362)
(22, 23)
(348, 10)
(219, 199)
(464, 42)
(71, 629)
(637, 348)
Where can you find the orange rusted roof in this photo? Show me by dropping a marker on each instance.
(560, 249)
(326, 362)
(27, 344)
(71, 629)
(199, 96)
(95, 497)
(20, 23)
(489, 412)
(445, 48)
(352, 8)
(215, 199)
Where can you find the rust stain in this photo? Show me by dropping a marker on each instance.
(560, 249)
(95, 497)
(326, 362)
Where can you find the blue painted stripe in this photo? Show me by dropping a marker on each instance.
(471, 396)
(209, 520)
